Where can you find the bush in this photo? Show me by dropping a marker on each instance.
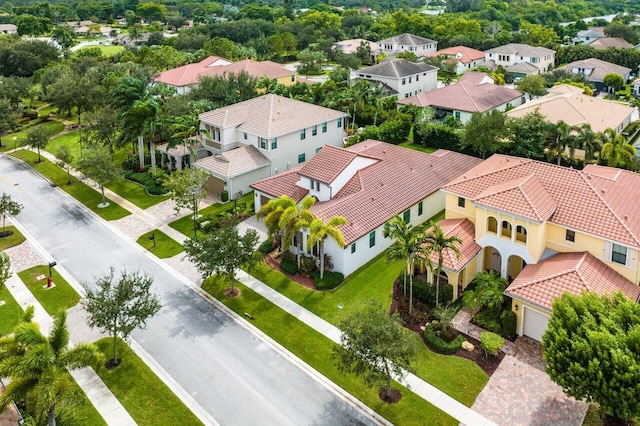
(423, 291)
(132, 162)
(307, 265)
(287, 256)
(209, 224)
(330, 280)
(509, 322)
(289, 267)
(266, 247)
(487, 320)
(153, 185)
(439, 345)
(224, 196)
(446, 294)
(491, 343)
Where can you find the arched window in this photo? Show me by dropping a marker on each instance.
(521, 234)
(492, 225)
(506, 229)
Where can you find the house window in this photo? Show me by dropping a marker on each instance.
(301, 158)
(521, 234)
(418, 77)
(293, 77)
(324, 127)
(409, 79)
(457, 114)
(245, 136)
(570, 236)
(492, 225)
(339, 122)
(274, 143)
(406, 216)
(372, 239)
(506, 229)
(420, 208)
(534, 60)
(353, 248)
(404, 81)
(406, 95)
(461, 202)
(314, 130)
(619, 254)
(303, 134)
(263, 143)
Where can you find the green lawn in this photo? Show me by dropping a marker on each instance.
(136, 193)
(81, 192)
(418, 147)
(70, 140)
(46, 111)
(185, 223)
(164, 245)
(54, 299)
(10, 312)
(53, 127)
(315, 350)
(106, 50)
(140, 391)
(12, 240)
(84, 411)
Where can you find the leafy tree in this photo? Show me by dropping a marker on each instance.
(614, 81)
(23, 58)
(374, 345)
(97, 165)
(616, 149)
(8, 117)
(319, 230)
(224, 251)
(8, 208)
(485, 132)
(527, 135)
(103, 127)
(5, 269)
(29, 25)
(119, 306)
(591, 350)
(437, 242)
(407, 247)
(617, 29)
(409, 56)
(488, 291)
(310, 61)
(38, 368)
(220, 46)
(37, 137)
(534, 84)
(65, 158)
(151, 11)
(15, 89)
(188, 187)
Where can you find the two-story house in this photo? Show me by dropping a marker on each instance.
(594, 70)
(588, 35)
(546, 229)
(368, 184)
(420, 46)
(459, 59)
(401, 77)
(521, 59)
(261, 137)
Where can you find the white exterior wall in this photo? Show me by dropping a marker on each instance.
(461, 68)
(465, 116)
(425, 82)
(242, 182)
(345, 176)
(419, 49)
(544, 62)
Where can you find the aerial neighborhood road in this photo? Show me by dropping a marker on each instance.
(235, 376)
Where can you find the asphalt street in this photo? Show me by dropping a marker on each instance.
(234, 375)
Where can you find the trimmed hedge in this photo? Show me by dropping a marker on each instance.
(266, 247)
(153, 186)
(439, 345)
(509, 322)
(224, 196)
(330, 280)
(290, 268)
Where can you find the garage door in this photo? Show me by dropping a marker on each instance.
(535, 323)
(215, 185)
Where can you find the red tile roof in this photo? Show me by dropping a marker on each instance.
(463, 229)
(568, 272)
(328, 164)
(595, 200)
(283, 183)
(188, 74)
(463, 53)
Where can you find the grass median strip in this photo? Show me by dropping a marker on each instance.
(79, 190)
(10, 312)
(315, 349)
(12, 240)
(53, 299)
(147, 399)
(84, 413)
(161, 244)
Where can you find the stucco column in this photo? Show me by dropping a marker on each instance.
(504, 264)
(152, 151)
(141, 151)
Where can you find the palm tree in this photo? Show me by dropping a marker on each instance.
(588, 140)
(38, 367)
(64, 36)
(408, 245)
(488, 291)
(272, 212)
(292, 220)
(436, 241)
(320, 230)
(616, 149)
(560, 139)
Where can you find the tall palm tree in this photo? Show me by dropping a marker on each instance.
(438, 242)
(616, 149)
(589, 141)
(559, 139)
(292, 220)
(64, 36)
(38, 367)
(408, 246)
(272, 212)
(319, 230)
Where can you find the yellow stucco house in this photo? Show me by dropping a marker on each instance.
(547, 229)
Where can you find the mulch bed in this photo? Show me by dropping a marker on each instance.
(393, 398)
(422, 315)
(299, 278)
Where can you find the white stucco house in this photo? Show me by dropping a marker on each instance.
(521, 59)
(368, 184)
(401, 77)
(261, 137)
(421, 46)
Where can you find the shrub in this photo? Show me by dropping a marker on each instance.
(31, 114)
(509, 322)
(224, 196)
(153, 185)
(439, 345)
(287, 256)
(307, 265)
(330, 280)
(488, 320)
(209, 224)
(423, 291)
(491, 343)
(266, 247)
(446, 294)
(289, 267)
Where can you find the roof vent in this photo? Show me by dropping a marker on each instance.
(381, 183)
(373, 199)
(602, 190)
(411, 168)
(431, 165)
(626, 217)
(384, 151)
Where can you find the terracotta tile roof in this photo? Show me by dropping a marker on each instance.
(603, 43)
(463, 53)
(568, 272)
(596, 69)
(188, 74)
(270, 116)
(396, 68)
(327, 164)
(523, 67)
(466, 95)
(463, 229)
(178, 150)
(594, 200)
(257, 69)
(407, 39)
(521, 50)
(234, 162)
(576, 109)
(283, 183)
(526, 196)
(351, 46)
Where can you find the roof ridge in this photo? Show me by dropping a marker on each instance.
(526, 196)
(545, 278)
(565, 97)
(615, 215)
(469, 96)
(519, 162)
